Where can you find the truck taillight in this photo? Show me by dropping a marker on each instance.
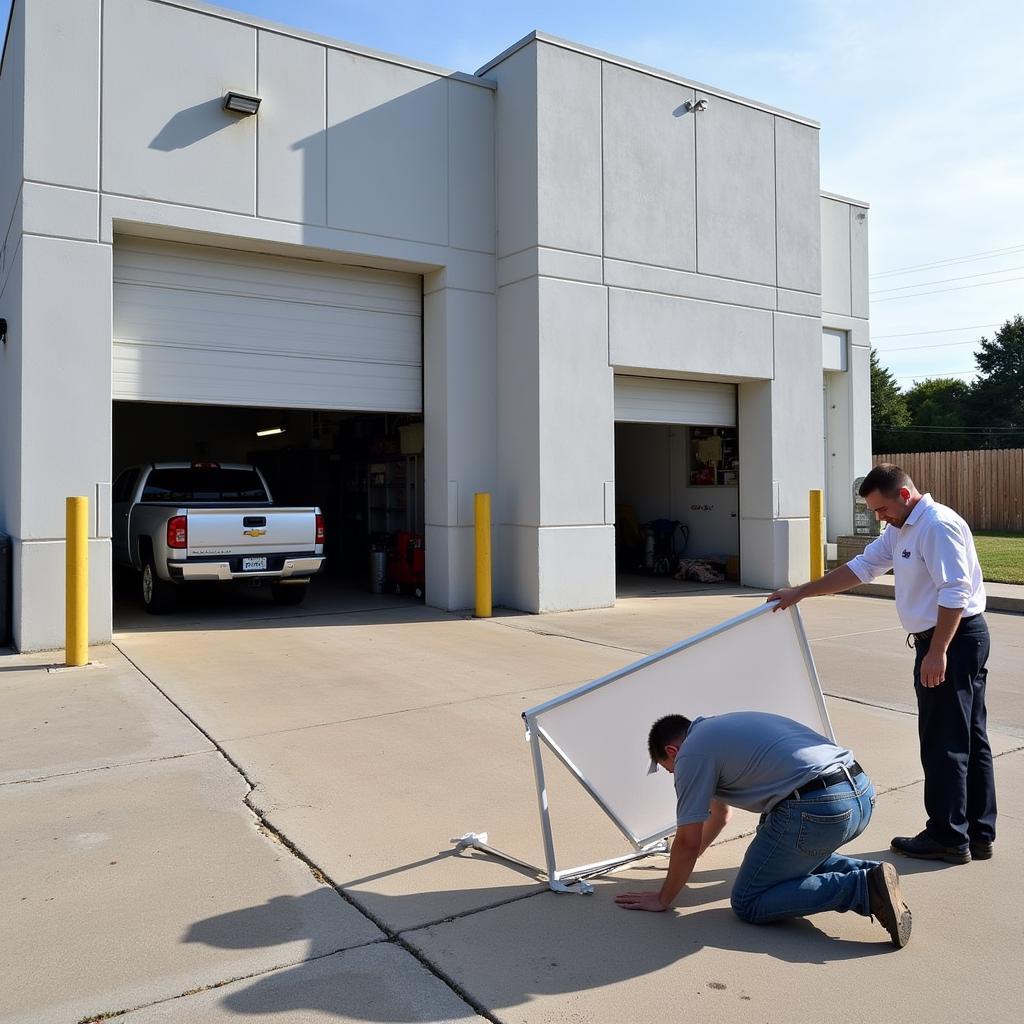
(177, 532)
(319, 528)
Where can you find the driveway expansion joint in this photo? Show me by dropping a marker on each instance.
(269, 831)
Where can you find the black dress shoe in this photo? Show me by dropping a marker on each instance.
(923, 847)
(981, 850)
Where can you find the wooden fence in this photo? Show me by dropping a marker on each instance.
(985, 487)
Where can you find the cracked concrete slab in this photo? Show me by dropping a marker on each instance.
(582, 959)
(83, 719)
(138, 883)
(382, 982)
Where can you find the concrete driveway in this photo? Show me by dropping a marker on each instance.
(361, 737)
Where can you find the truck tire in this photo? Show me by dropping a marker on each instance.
(158, 596)
(289, 593)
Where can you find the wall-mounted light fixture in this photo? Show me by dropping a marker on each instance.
(3, 331)
(695, 106)
(241, 103)
(270, 431)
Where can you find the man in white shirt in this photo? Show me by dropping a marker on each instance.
(940, 598)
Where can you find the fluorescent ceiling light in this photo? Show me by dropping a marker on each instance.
(270, 431)
(241, 103)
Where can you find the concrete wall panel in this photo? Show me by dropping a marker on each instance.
(515, 112)
(12, 116)
(471, 167)
(62, 92)
(835, 257)
(60, 212)
(662, 332)
(569, 150)
(735, 192)
(165, 133)
(518, 404)
(860, 301)
(577, 418)
(577, 567)
(292, 130)
(39, 569)
(798, 205)
(66, 366)
(387, 149)
(516, 561)
(649, 190)
(11, 437)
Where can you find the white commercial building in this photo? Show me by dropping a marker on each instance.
(586, 284)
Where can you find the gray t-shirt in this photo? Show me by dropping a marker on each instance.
(748, 759)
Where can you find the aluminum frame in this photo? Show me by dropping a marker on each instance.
(644, 846)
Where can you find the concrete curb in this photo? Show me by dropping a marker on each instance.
(1001, 597)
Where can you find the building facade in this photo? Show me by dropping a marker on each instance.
(601, 292)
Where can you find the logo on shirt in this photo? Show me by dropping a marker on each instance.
(906, 553)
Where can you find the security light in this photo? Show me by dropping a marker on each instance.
(270, 431)
(696, 106)
(241, 103)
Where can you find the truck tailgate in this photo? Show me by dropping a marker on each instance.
(219, 531)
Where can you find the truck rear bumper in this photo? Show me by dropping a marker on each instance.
(189, 571)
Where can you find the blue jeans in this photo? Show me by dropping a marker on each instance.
(790, 868)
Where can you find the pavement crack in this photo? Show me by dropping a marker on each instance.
(106, 767)
(318, 873)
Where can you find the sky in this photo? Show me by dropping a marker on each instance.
(921, 107)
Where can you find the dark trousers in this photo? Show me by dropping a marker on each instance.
(959, 782)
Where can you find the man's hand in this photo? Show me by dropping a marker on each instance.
(641, 901)
(933, 668)
(786, 597)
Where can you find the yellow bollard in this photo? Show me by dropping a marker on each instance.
(817, 511)
(76, 622)
(482, 523)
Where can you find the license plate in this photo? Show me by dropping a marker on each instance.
(254, 564)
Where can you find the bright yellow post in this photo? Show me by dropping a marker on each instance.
(817, 535)
(76, 631)
(482, 517)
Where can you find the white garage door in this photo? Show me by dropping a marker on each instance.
(659, 400)
(222, 327)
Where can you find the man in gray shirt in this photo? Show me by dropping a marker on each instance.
(812, 796)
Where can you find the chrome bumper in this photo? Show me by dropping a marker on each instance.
(188, 571)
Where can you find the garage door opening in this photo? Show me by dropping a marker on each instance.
(677, 466)
(363, 470)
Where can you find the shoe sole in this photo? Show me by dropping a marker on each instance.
(981, 854)
(901, 919)
(948, 857)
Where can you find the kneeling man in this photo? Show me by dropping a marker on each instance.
(813, 797)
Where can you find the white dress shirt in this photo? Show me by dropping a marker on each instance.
(933, 559)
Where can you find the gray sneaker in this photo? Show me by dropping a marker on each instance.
(888, 907)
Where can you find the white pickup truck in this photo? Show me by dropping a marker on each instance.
(175, 522)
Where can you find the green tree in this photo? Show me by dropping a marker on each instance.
(889, 409)
(997, 397)
(939, 409)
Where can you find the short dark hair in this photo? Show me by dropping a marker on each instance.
(669, 729)
(886, 478)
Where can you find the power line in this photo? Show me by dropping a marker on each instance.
(943, 291)
(914, 348)
(947, 280)
(966, 258)
(945, 330)
(952, 430)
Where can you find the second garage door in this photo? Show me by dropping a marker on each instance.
(198, 324)
(661, 400)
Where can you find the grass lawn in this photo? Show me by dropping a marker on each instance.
(1001, 556)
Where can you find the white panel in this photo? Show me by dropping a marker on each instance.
(387, 149)
(166, 135)
(205, 325)
(833, 349)
(758, 661)
(660, 400)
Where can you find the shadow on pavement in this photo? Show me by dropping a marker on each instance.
(541, 944)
